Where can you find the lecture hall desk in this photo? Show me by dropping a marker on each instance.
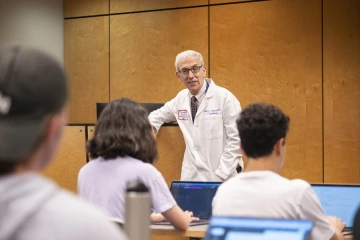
(193, 231)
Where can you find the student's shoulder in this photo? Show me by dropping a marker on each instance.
(152, 171)
(230, 184)
(299, 186)
(299, 183)
(90, 165)
(144, 169)
(67, 204)
(69, 210)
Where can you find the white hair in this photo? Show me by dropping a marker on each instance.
(187, 53)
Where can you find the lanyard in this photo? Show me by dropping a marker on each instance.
(207, 86)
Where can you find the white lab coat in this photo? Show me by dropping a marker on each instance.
(212, 141)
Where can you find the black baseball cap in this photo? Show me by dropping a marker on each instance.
(32, 86)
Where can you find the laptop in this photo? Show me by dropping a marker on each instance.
(238, 228)
(341, 201)
(194, 196)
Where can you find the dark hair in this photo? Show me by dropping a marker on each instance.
(123, 129)
(7, 167)
(260, 126)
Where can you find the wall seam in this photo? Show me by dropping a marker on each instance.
(209, 39)
(109, 52)
(86, 138)
(322, 91)
(165, 9)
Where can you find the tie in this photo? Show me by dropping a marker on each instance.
(194, 107)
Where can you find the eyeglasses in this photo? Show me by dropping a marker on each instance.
(194, 70)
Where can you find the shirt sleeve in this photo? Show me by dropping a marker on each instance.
(310, 208)
(165, 114)
(161, 197)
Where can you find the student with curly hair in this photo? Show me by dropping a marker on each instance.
(123, 149)
(260, 191)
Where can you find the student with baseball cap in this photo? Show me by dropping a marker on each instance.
(33, 97)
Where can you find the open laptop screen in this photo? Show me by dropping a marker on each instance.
(195, 196)
(233, 228)
(341, 201)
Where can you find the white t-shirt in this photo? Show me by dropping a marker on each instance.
(268, 195)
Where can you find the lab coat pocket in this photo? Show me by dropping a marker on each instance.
(185, 172)
(213, 127)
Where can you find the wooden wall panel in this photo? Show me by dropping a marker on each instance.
(271, 52)
(143, 48)
(342, 91)
(87, 64)
(70, 158)
(118, 6)
(171, 147)
(77, 8)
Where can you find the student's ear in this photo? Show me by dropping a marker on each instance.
(242, 150)
(279, 145)
(50, 140)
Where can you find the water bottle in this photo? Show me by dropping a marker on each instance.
(137, 211)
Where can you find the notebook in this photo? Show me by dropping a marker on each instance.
(234, 228)
(194, 196)
(341, 201)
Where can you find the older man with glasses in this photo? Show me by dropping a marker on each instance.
(206, 114)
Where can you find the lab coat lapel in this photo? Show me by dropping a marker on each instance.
(208, 95)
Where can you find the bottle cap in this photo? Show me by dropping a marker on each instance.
(136, 186)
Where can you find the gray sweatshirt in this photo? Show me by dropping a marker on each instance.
(33, 207)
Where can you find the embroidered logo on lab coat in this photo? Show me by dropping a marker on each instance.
(183, 115)
(212, 111)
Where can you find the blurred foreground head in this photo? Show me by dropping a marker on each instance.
(33, 96)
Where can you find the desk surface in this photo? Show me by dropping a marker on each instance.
(193, 231)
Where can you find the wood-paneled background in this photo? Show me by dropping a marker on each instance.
(302, 55)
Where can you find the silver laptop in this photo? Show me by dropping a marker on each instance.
(236, 228)
(341, 201)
